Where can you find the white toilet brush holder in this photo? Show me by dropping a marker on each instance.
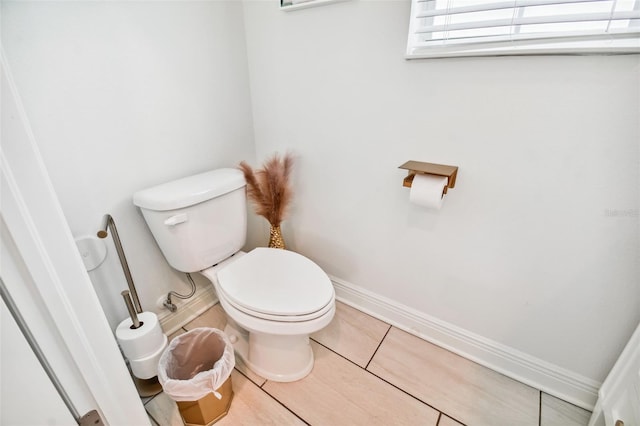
(143, 345)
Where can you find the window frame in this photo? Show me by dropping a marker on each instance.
(516, 43)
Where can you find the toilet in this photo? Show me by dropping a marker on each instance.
(274, 299)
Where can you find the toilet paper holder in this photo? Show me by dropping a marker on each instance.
(415, 167)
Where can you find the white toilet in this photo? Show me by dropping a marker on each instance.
(273, 298)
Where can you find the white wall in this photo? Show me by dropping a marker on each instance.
(125, 95)
(527, 250)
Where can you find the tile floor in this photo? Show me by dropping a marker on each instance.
(367, 372)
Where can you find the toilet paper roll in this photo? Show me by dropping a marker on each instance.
(147, 367)
(428, 190)
(142, 341)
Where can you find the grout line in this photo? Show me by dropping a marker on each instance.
(446, 415)
(151, 398)
(144, 403)
(246, 377)
(339, 354)
(439, 417)
(413, 396)
(283, 405)
(387, 382)
(151, 417)
(271, 396)
(287, 408)
(378, 347)
(540, 408)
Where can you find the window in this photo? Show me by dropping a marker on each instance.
(443, 28)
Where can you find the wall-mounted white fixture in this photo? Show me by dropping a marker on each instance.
(93, 251)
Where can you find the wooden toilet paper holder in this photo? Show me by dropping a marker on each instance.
(415, 167)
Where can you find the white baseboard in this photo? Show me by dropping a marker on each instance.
(549, 378)
(188, 310)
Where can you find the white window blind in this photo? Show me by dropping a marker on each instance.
(442, 28)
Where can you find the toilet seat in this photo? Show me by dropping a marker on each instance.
(276, 285)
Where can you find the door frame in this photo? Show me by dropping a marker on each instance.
(55, 295)
(621, 385)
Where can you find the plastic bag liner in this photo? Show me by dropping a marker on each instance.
(195, 364)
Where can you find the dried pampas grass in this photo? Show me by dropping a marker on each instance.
(269, 189)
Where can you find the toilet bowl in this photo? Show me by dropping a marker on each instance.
(273, 300)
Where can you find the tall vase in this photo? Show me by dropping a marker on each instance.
(275, 237)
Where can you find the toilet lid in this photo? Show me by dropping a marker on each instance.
(276, 282)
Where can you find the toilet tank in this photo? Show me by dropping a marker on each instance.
(199, 220)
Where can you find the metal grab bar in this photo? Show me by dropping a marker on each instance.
(31, 340)
(111, 225)
(91, 418)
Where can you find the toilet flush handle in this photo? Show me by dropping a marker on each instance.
(176, 219)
